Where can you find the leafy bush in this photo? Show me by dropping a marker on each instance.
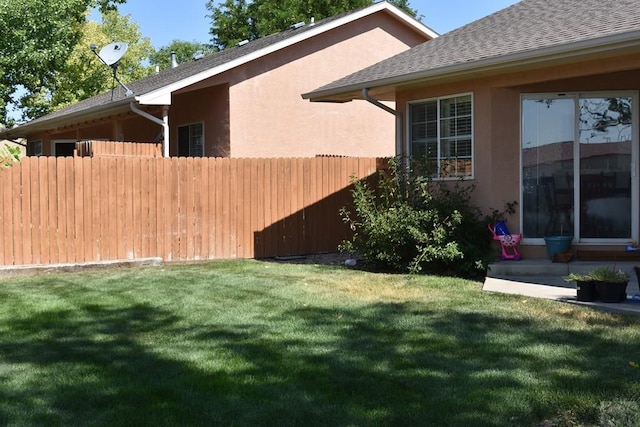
(405, 221)
(9, 155)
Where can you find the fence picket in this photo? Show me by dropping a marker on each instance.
(58, 210)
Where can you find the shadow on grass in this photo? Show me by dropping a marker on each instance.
(452, 369)
(380, 364)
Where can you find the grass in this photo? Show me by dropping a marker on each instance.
(258, 343)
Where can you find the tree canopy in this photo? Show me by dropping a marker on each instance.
(237, 20)
(36, 40)
(83, 75)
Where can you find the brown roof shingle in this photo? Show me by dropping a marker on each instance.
(527, 26)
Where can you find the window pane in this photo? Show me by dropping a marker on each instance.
(34, 148)
(463, 148)
(548, 127)
(418, 113)
(464, 106)
(418, 149)
(419, 131)
(432, 111)
(196, 146)
(605, 167)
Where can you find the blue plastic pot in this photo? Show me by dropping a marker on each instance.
(557, 244)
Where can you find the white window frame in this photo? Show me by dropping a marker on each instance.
(189, 125)
(437, 100)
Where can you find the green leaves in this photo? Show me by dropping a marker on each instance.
(406, 222)
(36, 40)
(83, 76)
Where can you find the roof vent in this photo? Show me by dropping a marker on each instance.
(313, 21)
(198, 55)
(297, 25)
(174, 60)
(242, 43)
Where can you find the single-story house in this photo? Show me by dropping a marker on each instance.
(536, 103)
(245, 101)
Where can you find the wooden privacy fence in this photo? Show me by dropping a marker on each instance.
(67, 210)
(118, 149)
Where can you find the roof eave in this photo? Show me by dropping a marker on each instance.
(488, 65)
(22, 131)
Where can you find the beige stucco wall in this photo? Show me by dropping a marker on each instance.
(496, 120)
(268, 117)
(209, 106)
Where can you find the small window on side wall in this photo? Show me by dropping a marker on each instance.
(34, 148)
(191, 140)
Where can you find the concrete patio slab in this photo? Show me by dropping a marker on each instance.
(544, 279)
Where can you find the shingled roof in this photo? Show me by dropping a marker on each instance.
(526, 30)
(156, 89)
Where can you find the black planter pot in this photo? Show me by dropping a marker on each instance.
(612, 291)
(586, 291)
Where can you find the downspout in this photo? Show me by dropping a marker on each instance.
(399, 145)
(164, 122)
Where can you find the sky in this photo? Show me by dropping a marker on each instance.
(166, 20)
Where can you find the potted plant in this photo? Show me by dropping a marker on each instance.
(585, 287)
(604, 283)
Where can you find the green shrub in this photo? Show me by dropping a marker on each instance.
(9, 155)
(405, 221)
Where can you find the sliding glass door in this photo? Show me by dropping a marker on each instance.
(578, 155)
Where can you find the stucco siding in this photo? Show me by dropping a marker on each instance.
(268, 117)
(209, 106)
(497, 120)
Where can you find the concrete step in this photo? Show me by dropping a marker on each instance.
(543, 267)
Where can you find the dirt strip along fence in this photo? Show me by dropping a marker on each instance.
(75, 209)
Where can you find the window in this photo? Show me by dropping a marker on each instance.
(63, 148)
(191, 140)
(441, 131)
(34, 148)
(578, 152)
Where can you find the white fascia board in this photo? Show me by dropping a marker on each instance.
(157, 97)
(162, 96)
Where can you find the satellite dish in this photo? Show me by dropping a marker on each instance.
(113, 52)
(110, 56)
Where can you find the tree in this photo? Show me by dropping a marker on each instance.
(184, 50)
(36, 39)
(237, 20)
(83, 75)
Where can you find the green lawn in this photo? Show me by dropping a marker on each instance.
(256, 343)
